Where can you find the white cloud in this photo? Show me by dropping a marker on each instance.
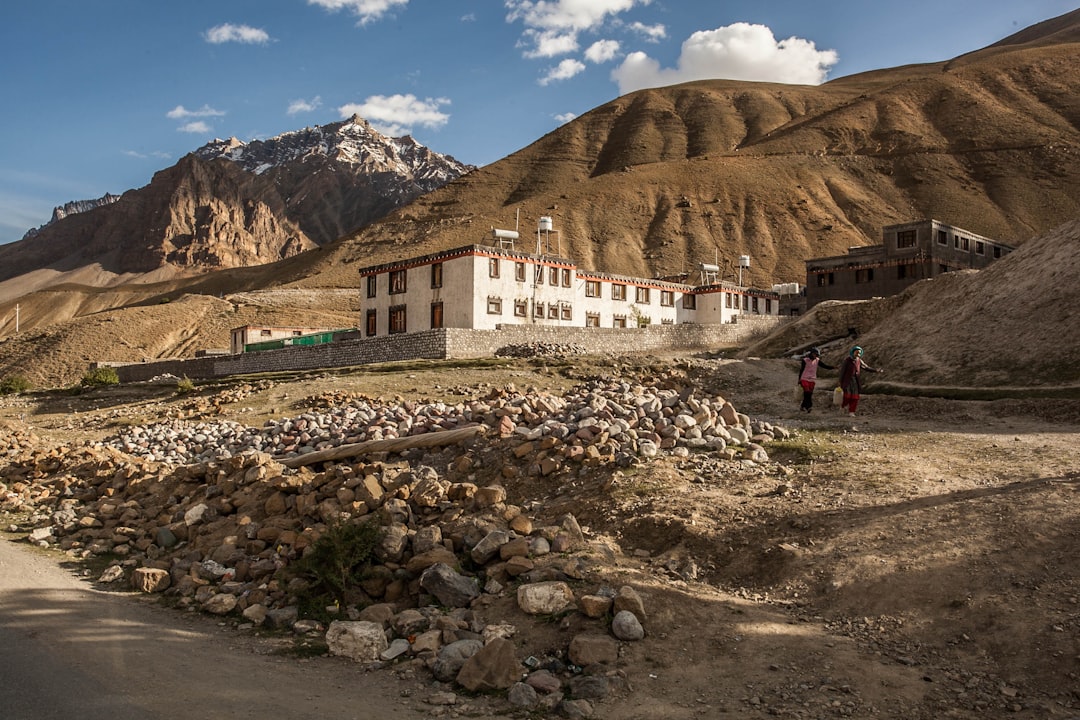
(300, 106)
(602, 51)
(736, 52)
(396, 115)
(236, 33)
(563, 71)
(366, 10)
(564, 118)
(198, 126)
(468, 17)
(551, 24)
(143, 156)
(548, 43)
(652, 33)
(182, 113)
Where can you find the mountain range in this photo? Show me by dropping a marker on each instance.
(649, 184)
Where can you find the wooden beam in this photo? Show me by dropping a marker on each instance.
(424, 440)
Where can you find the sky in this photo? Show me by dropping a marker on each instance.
(101, 94)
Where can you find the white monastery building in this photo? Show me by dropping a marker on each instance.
(483, 287)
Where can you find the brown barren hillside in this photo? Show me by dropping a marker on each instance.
(657, 181)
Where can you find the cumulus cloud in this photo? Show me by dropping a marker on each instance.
(552, 24)
(236, 33)
(302, 106)
(367, 10)
(397, 115)
(563, 71)
(196, 127)
(182, 113)
(736, 52)
(602, 51)
(564, 118)
(652, 33)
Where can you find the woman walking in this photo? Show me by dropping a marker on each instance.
(850, 382)
(811, 361)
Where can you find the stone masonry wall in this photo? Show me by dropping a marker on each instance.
(450, 343)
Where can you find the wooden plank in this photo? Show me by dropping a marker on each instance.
(424, 440)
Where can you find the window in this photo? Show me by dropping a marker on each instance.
(493, 267)
(519, 271)
(397, 282)
(901, 272)
(754, 303)
(297, 333)
(956, 242)
(566, 277)
(830, 278)
(997, 251)
(618, 291)
(864, 275)
(942, 237)
(397, 319)
(553, 311)
(566, 311)
(768, 306)
(641, 295)
(689, 302)
(372, 322)
(494, 306)
(521, 308)
(592, 319)
(905, 239)
(980, 248)
(553, 276)
(667, 298)
(964, 244)
(538, 310)
(436, 275)
(592, 288)
(436, 315)
(265, 333)
(727, 298)
(619, 321)
(371, 284)
(746, 302)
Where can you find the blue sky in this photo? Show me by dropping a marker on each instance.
(100, 94)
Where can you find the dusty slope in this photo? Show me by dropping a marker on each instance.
(60, 354)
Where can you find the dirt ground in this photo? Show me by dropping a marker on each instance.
(917, 561)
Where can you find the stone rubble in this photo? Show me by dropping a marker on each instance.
(203, 512)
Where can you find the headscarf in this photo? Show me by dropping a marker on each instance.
(854, 349)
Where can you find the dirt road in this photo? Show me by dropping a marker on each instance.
(74, 652)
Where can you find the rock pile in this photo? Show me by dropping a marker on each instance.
(540, 349)
(204, 513)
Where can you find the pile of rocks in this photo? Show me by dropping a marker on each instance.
(204, 513)
(540, 349)
(618, 420)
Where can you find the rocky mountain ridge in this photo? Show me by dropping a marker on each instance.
(233, 204)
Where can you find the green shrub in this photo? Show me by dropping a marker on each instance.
(183, 387)
(100, 376)
(14, 384)
(338, 558)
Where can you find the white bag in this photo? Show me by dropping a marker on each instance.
(838, 396)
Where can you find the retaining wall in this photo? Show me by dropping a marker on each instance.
(456, 343)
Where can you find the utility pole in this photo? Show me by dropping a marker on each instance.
(16, 318)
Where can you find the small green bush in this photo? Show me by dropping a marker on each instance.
(100, 376)
(183, 387)
(14, 384)
(338, 558)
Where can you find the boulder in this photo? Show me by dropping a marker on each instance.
(359, 640)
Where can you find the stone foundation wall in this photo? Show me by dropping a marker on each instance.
(451, 343)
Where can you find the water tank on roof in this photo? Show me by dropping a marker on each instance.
(545, 223)
(504, 234)
(709, 268)
(744, 261)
